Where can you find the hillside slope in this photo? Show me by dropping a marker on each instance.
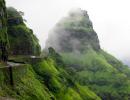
(43, 80)
(77, 42)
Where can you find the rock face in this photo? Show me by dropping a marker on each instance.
(73, 33)
(21, 38)
(3, 31)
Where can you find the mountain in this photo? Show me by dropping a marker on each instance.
(76, 41)
(74, 32)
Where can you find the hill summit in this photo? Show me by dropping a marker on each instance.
(73, 33)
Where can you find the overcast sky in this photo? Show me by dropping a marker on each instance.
(111, 20)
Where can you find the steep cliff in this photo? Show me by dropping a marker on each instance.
(22, 39)
(76, 41)
(3, 31)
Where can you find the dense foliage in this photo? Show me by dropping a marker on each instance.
(44, 80)
(59, 81)
(80, 70)
(109, 80)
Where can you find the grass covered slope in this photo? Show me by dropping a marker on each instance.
(44, 80)
(26, 86)
(21, 38)
(59, 81)
(108, 80)
(87, 63)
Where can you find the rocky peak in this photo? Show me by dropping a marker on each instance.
(73, 33)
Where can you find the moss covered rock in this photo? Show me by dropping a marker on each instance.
(21, 38)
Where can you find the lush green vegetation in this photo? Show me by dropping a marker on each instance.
(44, 80)
(59, 81)
(108, 80)
(26, 86)
(79, 71)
